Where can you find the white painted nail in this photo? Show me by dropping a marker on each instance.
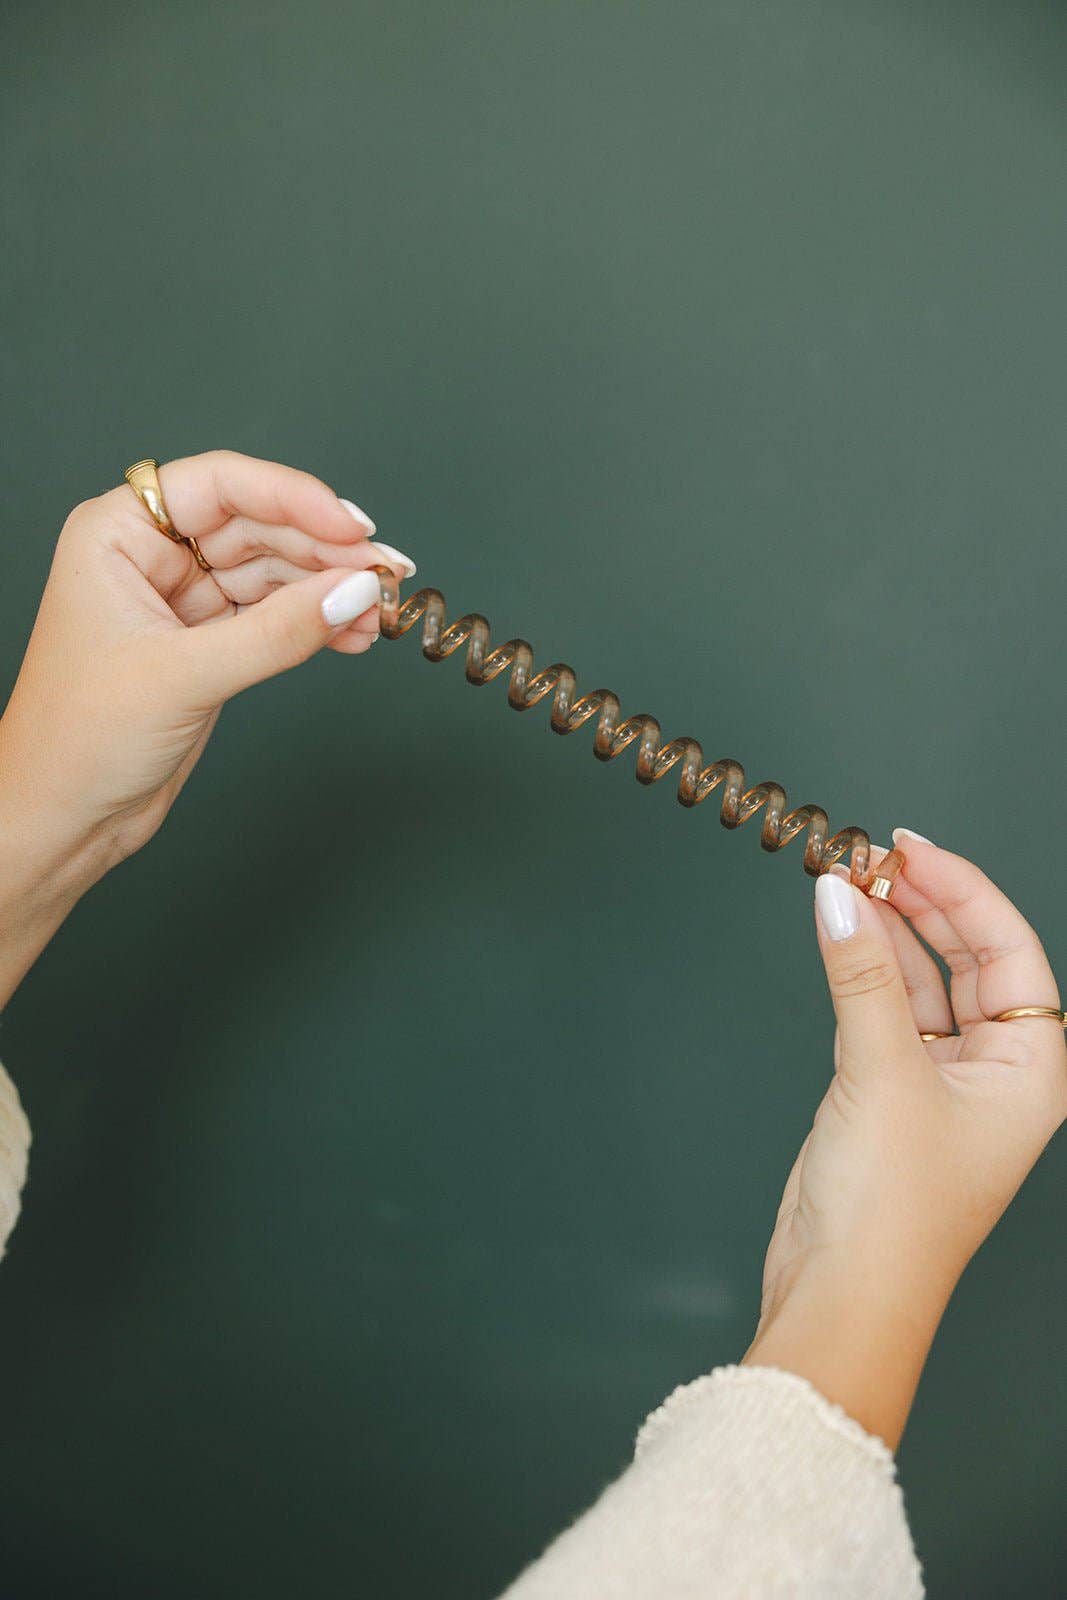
(396, 558)
(360, 516)
(906, 833)
(838, 906)
(351, 597)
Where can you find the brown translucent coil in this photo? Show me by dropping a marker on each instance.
(738, 803)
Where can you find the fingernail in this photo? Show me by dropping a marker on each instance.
(351, 597)
(837, 905)
(360, 516)
(906, 833)
(396, 558)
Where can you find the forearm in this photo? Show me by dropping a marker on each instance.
(44, 871)
(24, 932)
(858, 1333)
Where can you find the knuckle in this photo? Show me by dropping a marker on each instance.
(864, 976)
(244, 541)
(916, 986)
(987, 955)
(958, 958)
(219, 465)
(80, 522)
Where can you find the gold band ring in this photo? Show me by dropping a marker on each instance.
(1009, 1016)
(1032, 1011)
(143, 479)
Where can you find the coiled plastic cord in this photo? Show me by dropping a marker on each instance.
(527, 687)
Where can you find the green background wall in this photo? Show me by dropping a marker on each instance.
(411, 1116)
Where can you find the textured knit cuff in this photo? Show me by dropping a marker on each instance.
(824, 1489)
(14, 1150)
(793, 1398)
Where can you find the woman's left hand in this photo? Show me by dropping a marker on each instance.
(136, 649)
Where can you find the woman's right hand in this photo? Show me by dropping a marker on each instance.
(136, 649)
(917, 1148)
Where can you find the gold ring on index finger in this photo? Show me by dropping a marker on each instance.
(143, 479)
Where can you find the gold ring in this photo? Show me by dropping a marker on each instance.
(1032, 1011)
(143, 479)
(1010, 1016)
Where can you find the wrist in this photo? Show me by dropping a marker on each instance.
(859, 1329)
(44, 871)
(43, 858)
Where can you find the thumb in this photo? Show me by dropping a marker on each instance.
(874, 1018)
(278, 632)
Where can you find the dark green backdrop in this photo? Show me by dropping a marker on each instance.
(412, 1115)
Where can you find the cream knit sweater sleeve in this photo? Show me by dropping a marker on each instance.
(14, 1150)
(745, 1485)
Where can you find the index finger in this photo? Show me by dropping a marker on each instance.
(203, 492)
(996, 959)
